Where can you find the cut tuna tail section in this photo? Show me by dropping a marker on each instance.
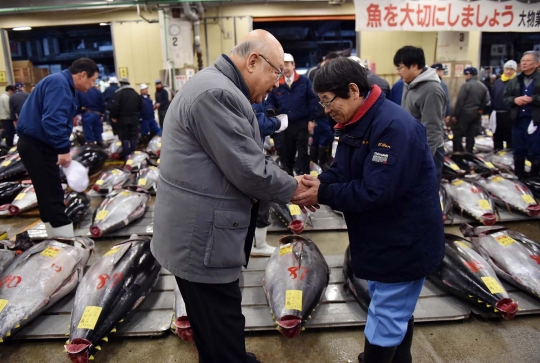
(296, 226)
(95, 232)
(79, 350)
(488, 219)
(183, 329)
(533, 210)
(13, 210)
(290, 326)
(507, 307)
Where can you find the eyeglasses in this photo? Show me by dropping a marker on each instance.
(326, 105)
(280, 73)
(400, 68)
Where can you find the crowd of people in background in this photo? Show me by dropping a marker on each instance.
(131, 114)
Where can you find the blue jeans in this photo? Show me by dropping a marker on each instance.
(390, 309)
(92, 127)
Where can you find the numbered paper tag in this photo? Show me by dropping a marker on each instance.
(490, 165)
(3, 304)
(493, 285)
(100, 182)
(90, 317)
(450, 137)
(159, 145)
(50, 252)
(285, 249)
(116, 172)
(497, 179)
(142, 182)
(20, 196)
(129, 162)
(119, 143)
(112, 251)
(6, 163)
(528, 199)
(442, 206)
(462, 244)
(505, 240)
(293, 300)
(457, 182)
(125, 193)
(313, 173)
(484, 204)
(295, 210)
(13, 149)
(101, 215)
(137, 152)
(454, 166)
(502, 153)
(528, 163)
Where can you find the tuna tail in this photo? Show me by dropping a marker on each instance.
(183, 329)
(533, 210)
(79, 350)
(488, 219)
(507, 307)
(297, 226)
(96, 188)
(467, 230)
(290, 326)
(95, 231)
(13, 210)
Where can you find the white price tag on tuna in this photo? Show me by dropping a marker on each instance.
(457, 182)
(90, 317)
(484, 204)
(6, 163)
(293, 300)
(493, 285)
(528, 199)
(129, 162)
(142, 182)
(490, 165)
(101, 215)
(454, 166)
(295, 210)
(283, 250)
(100, 182)
(20, 196)
(3, 304)
(505, 240)
(50, 252)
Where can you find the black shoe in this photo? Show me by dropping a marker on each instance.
(519, 167)
(251, 358)
(403, 351)
(376, 354)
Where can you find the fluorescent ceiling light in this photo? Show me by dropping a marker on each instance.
(104, 24)
(22, 28)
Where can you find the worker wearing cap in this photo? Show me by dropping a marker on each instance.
(162, 102)
(149, 126)
(473, 96)
(108, 97)
(92, 110)
(439, 69)
(295, 98)
(16, 101)
(502, 132)
(125, 112)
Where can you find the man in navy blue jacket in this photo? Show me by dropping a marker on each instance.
(149, 126)
(44, 127)
(294, 98)
(92, 107)
(384, 181)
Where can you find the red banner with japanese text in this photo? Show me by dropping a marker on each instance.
(458, 15)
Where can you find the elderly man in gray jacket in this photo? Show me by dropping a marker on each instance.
(213, 173)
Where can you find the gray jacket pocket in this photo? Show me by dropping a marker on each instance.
(225, 246)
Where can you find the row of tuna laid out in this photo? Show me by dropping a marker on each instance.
(112, 288)
(113, 179)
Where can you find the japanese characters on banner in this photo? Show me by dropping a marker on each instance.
(456, 15)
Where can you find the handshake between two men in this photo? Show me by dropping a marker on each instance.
(306, 194)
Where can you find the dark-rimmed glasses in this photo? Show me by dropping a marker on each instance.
(326, 105)
(280, 73)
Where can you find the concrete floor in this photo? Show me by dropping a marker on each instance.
(475, 340)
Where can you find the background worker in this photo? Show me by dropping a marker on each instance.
(162, 102)
(92, 108)
(5, 116)
(125, 112)
(149, 126)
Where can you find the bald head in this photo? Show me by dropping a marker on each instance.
(259, 58)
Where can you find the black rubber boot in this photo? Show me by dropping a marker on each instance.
(376, 354)
(519, 167)
(403, 351)
(314, 154)
(251, 358)
(324, 153)
(535, 168)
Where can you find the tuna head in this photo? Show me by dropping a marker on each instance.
(183, 329)
(78, 350)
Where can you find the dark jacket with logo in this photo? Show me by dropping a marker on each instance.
(299, 102)
(513, 89)
(384, 181)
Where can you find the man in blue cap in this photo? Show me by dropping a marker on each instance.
(162, 102)
(472, 98)
(92, 108)
(16, 101)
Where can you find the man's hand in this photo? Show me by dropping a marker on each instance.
(521, 101)
(311, 127)
(307, 198)
(156, 106)
(527, 99)
(64, 160)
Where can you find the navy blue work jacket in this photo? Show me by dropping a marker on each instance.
(147, 111)
(299, 102)
(92, 100)
(47, 115)
(383, 179)
(267, 125)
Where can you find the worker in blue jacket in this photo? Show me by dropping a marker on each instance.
(149, 126)
(384, 181)
(44, 127)
(295, 98)
(92, 108)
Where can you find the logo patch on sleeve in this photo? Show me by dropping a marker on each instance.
(379, 158)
